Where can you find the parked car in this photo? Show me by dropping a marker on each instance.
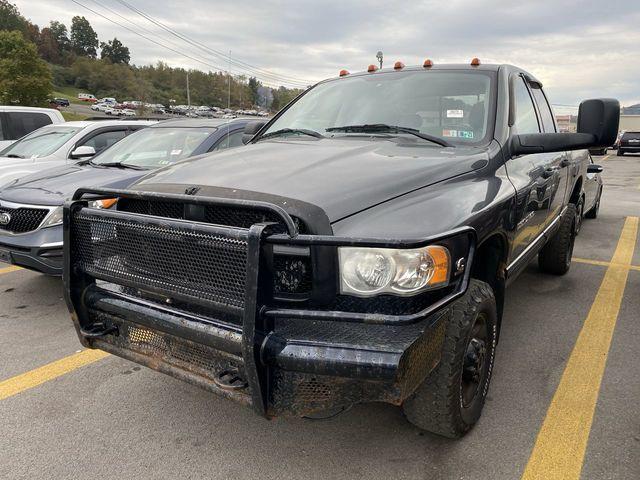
(592, 190)
(109, 100)
(32, 238)
(617, 142)
(356, 250)
(16, 122)
(126, 112)
(629, 143)
(61, 144)
(60, 102)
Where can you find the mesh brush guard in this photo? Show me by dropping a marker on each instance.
(215, 267)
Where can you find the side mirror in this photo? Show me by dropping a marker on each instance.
(250, 129)
(597, 128)
(84, 151)
(593, 168)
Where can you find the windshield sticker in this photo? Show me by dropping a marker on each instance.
(449, 133)
(465, 133)
(176, 152)
(455, 114)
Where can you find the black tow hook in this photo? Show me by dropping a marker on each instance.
(98, 330)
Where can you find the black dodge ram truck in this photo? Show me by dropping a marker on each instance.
(357, 249)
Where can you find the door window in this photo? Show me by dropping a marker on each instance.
(104, 140)
(234, 139)
(546, 114)
(526, 119)
(22, 123)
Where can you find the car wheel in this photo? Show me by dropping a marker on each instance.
(450, 400)
(579, 215)
(555, 256)
(593, 212)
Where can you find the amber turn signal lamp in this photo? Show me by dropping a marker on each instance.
(344, 73)
(475, 62)
(427, 63)
(398, 66)
(372, 68)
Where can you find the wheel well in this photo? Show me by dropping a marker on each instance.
(577, 191)
(489, 266)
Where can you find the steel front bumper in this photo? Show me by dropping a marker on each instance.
(40, 250)
(281, 361)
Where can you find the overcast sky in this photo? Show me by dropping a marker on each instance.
(578, 49)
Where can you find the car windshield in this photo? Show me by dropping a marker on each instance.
(40, 143)
(454, 106)
(154, 147)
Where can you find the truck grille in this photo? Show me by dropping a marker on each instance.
(216, 214)
(23, 219)
(184, 263)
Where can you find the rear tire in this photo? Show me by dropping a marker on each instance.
(450, 400)
(593, 212)
(555, 256)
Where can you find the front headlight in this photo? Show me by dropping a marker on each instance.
(54, 218)
(372, 271)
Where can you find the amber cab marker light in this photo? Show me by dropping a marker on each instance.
(427, 63)
(372, 68)
(398, 66)
(344, 73)
(475, 62)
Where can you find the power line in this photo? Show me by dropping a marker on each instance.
(181, 53)
(238, 63)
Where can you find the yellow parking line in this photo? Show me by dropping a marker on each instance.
(605, 157)
(600, 263)
(559, 450)
(12, 268)
(33, 378)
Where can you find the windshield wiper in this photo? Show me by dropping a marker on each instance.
(118, 165)
(284, 131)
(13, 155)
(383, 128)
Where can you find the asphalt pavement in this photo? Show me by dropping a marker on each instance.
(109, 418)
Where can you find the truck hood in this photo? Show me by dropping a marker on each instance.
(54, 185)
(340, 175)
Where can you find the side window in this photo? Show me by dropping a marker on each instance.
(526, 119)
(545, 111)
(232, 140)
(2, 128)
(22, 123)
(104, 140)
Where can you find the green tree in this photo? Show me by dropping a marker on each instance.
(254, 85)
(24, 78)
(10, 18)
(48, 47)
(114, 51)
(84, 39)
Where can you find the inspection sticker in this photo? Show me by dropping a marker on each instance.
(465, 133)
(449, 133)
(455, 114)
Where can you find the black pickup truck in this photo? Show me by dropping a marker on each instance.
(357, 249)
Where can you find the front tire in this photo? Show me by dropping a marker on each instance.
(555, 256)
(450, 400)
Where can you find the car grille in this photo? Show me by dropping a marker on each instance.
(187, 264)
(23, 219)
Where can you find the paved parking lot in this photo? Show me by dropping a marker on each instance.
(65, 413)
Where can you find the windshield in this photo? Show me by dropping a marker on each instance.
(451, 105)
(40, 143)
(155, 147)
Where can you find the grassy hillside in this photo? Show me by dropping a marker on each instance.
(70, 93)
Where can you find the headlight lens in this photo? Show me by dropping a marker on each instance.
(104, 203)
(54, 218)
(372, 271)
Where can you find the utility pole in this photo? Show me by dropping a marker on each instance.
(229, 81)
(188, 93)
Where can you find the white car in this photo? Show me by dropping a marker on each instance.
(100, 107)
(61, 144)
(16, 122)
(127, 112)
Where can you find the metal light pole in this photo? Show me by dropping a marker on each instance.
(188, 93)
(229, 82)
(379, 56)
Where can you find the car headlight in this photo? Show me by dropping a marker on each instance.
(54, 218)
(372, 271)
(104, 203)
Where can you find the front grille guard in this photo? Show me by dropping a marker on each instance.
(257, 317)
